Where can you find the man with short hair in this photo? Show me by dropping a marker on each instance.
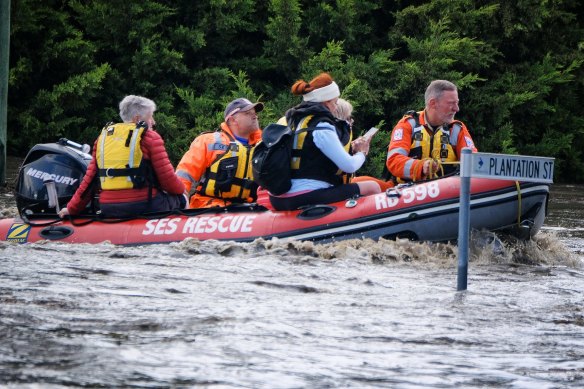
(427, 143)
(217, 165)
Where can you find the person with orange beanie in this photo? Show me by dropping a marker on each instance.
(321, 162)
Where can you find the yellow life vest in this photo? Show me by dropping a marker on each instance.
(119, 156)
(437, 146)
(230, 176)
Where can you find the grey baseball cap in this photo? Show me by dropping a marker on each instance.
(241, 105)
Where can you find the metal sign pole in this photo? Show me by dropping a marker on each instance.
(464, 218)
(4, 50)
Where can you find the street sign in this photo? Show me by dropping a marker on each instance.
(496, 166)
(512, 167)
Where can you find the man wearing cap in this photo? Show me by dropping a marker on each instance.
(218, 164)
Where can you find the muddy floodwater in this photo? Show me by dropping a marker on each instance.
(284, 314)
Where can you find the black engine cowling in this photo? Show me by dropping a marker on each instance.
(64, 162)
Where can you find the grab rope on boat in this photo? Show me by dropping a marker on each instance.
(433, 173)
(25, 219)
(87, 219)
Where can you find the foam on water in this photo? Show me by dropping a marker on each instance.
(487, 248)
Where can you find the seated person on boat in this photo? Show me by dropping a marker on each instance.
(321, 162)
(217, 166)
(428, 143)
(344, 111)
(130, 167)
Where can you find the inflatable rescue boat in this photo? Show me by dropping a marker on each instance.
(426, 211)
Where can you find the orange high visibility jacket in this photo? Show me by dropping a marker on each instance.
(405, 154)
(204, 167)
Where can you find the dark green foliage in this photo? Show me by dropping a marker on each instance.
(518, 65)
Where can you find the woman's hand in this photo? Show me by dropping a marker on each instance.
(361, 144)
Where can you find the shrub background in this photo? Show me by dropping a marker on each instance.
(518, 65)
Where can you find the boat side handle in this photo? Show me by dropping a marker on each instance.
(55, 232)
(315, 211)
(393, 192)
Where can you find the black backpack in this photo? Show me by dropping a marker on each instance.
(272, 157)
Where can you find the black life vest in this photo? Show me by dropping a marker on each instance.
(308, 161)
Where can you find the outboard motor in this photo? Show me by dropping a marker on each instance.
(49, 176)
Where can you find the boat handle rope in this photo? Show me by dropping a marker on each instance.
(30, 223)
(433, 173)
(87, 219)
(393, 192)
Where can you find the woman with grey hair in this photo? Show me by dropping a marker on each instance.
(135, 107)
(130, 166)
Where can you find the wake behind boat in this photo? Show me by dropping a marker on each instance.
(426, 211)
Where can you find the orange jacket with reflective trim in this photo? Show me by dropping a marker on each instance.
(400, 164)
(199, 158)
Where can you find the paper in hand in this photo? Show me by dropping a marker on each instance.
(372, 131)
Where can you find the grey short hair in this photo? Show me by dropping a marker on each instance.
(132, 106)
(436, 88)
(344, 110)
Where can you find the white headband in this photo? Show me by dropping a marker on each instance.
(325, 93)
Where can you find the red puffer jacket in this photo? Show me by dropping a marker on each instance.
(153, 149)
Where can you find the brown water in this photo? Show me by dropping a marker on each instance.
(280, 314)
